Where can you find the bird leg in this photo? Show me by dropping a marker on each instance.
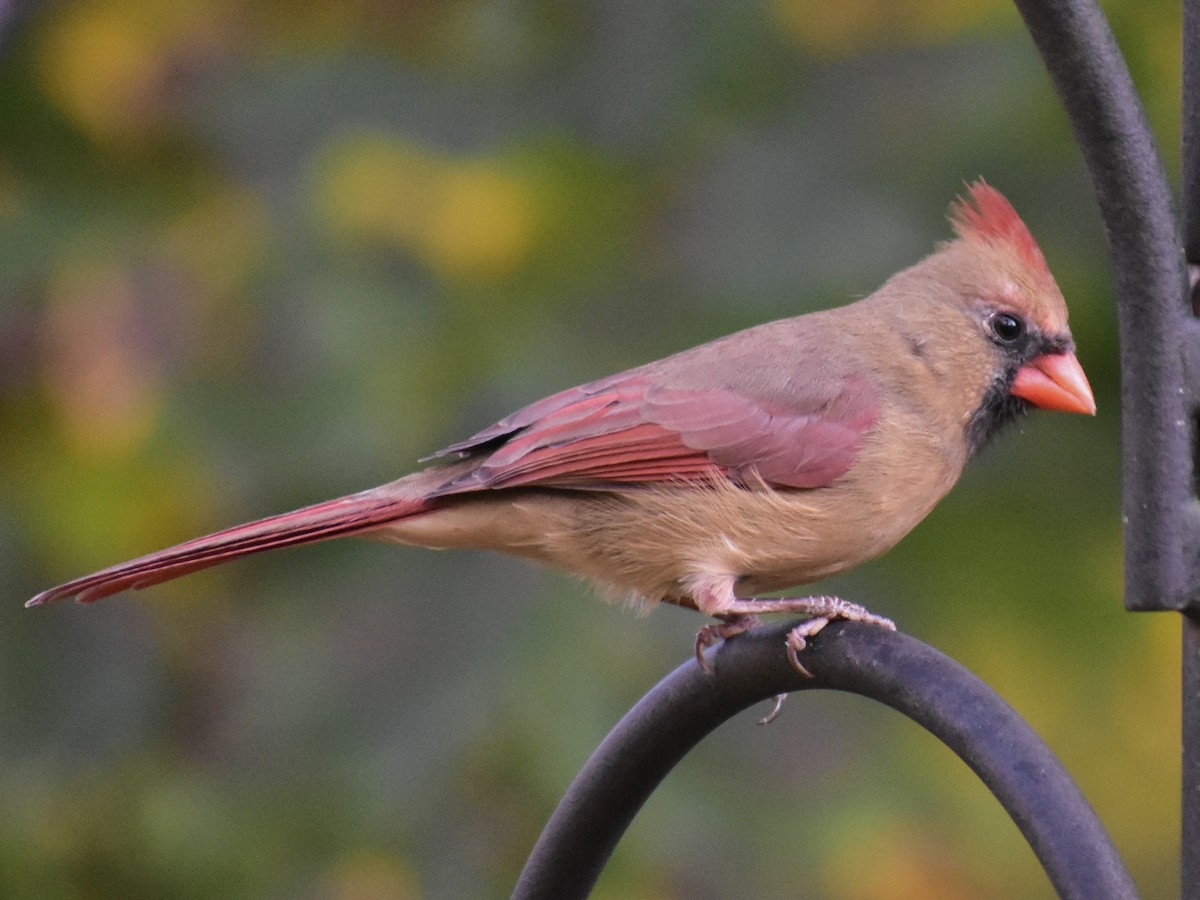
(821, 610)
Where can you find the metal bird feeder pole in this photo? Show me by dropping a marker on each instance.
(891, 668)
(1188, 462)
(1160, 350)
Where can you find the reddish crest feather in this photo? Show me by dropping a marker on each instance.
(985, 214)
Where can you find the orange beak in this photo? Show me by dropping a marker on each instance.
(1055, 381)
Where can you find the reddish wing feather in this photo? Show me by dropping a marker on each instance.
(790, 448)
(626, 430)
(527, 415)
(644, 452)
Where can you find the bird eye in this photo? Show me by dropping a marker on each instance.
(1006, 327)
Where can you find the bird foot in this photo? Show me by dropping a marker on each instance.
(776, 709)
(822, 611)
(729, 626)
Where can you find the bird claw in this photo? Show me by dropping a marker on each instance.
(820, 610)
(742, 616)
(824, 610)
(797, 640)
(775, 710)
(730, 626)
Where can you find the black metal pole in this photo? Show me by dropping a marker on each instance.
(1190, 799)
(894, 669)
(1131, 186)
(1190, 210)
(1160, 341)
(12, 12)
(1190, 174)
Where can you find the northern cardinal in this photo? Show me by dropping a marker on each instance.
(765, 459)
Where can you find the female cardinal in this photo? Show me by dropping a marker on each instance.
(768, 458)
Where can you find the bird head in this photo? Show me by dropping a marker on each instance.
(1000, 279)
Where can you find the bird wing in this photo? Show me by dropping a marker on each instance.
(630, 429)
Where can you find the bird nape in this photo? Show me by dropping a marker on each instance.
(762, 460)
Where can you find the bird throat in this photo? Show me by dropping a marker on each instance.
(998, 409)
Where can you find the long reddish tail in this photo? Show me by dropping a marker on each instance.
(333, 518)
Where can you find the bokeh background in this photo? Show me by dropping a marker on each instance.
(254, 255)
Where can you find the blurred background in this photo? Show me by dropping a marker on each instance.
(254, 255)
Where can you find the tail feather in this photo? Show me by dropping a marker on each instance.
(333, 518)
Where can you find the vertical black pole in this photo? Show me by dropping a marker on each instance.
(1160, 337)
(1190, 850)
(1190, 176)
(1190, 211)
(1135, 199)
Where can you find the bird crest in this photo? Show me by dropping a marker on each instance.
(985, 214)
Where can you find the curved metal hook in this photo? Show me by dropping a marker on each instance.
(893, 668)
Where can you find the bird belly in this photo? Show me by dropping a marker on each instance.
(656, 543)
(647, 544)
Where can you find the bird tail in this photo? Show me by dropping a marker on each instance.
(344, 516)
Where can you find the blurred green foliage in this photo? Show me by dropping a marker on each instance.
(256, 255)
